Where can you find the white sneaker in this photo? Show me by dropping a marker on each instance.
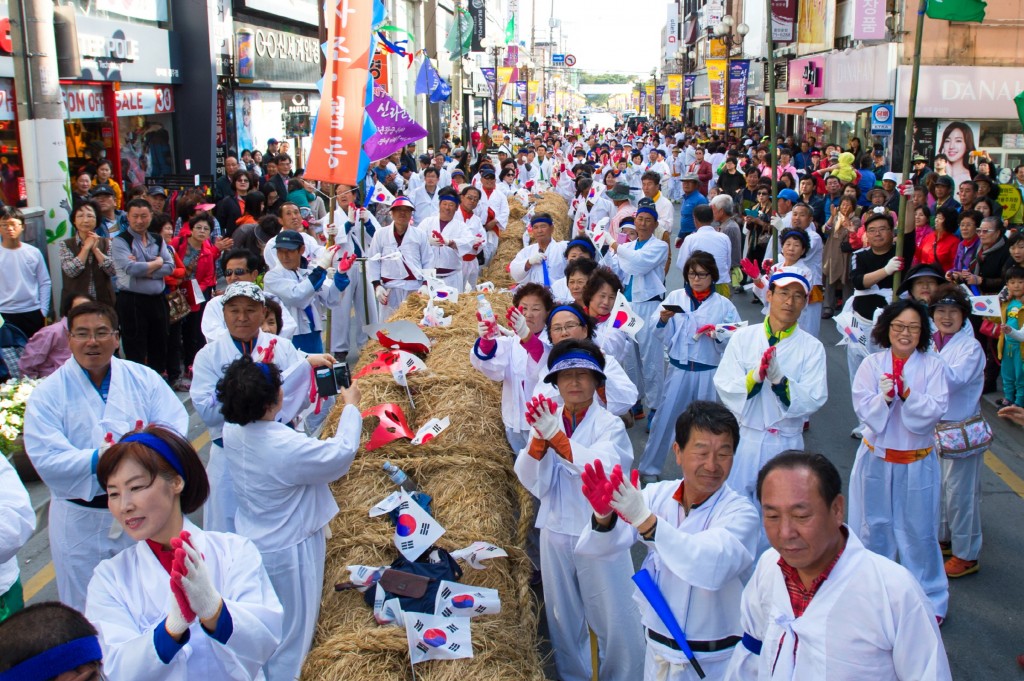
(858, 432)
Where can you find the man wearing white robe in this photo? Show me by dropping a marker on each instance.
(821, 606)
(403, 255)
(543, 261)
(492, 211)
(240, 265)
(772, 393)
(449, 240)
(66, 422)
(425, 197)
(701, 538)
(354, 311)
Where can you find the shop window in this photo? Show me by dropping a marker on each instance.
(1001, 134)
(149, 12)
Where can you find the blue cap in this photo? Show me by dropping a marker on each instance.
(789, 195)
(289, 240)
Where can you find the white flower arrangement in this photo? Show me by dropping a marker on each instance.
(13, 398)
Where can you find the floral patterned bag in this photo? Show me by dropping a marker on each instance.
(960, 439)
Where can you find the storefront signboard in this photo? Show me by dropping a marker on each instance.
(86, 101)
(274, 58)
(807, 78)
(302, 11)
(119, 51)
(963, 92)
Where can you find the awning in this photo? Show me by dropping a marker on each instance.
(794, 108)
(838, 111)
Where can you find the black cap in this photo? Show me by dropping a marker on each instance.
(289, 240)
(157, 190)
(102, 190)
(487, 173)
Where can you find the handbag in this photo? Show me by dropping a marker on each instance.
(960, 439)
(990, 328)
(416, 583)
(178, 305)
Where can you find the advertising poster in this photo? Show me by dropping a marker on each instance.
(675, 95)
(924, 140)
(815, 25)
(958, 140)
(739, 70)
(716, 82)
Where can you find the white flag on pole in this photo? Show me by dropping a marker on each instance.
(382, 195)
(986, 306)
(623, 318)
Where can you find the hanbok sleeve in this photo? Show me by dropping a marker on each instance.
(318, 461)
(68, 471)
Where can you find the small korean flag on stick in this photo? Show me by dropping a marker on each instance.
(623, 318)
(416, 530)
(477, 552)
(985, 306)
(407, 363)
(437, 638)
(382, 195)
(430, 430)
(465, 600)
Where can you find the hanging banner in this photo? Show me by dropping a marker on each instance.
(649, 91)
(783, 19)
(739, 70)
(478, 11)
(672, 32)
(689, 80)
(659, 98)
(675, 95)
(379, 69)
(643, 101)
(337, 140)
(531, 97)
(395, 127)
(490, 75)
(505, 76)
(869, 20)
(716, 83)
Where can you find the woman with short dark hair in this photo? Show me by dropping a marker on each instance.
(85, 262)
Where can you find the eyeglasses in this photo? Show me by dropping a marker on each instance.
(762, 193)
(238, 272)
(905, 328)
(693, 274)
(987, 231)
(569, 326)
(878, 230)
(99, 334)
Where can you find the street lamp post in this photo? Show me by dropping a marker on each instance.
(731, 36)
(494, 48)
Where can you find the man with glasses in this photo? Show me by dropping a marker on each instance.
(240, 265)
(772, 377)
(73, 416)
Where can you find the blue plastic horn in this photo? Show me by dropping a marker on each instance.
(653, 594)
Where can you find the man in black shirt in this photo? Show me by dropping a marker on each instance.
(730, 180)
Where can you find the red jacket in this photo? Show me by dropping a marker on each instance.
(206, 266)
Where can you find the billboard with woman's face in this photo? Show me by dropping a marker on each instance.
(957, 140)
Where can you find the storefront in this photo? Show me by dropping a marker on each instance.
(12, 181)
(963, 110)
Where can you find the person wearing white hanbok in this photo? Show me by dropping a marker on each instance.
(569, 288)
(701, 538)
(599, 298)
(820, 606)
(17, 523)
(240, 265)
(543, 261)
(67, 421)
(694, 353)
(772, 392)
(243, 313)
(640, 263)
(492, 211)
(354, 311)
(470, 199)
(449, 240)
(964, 359)
(181, 603)
(800, 218)
(284, 501)
(425, 197)
(402, 255)
(900, 394)
(579, 593)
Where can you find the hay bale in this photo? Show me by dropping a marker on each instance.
(468, 472)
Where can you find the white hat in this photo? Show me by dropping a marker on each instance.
(794, 274)
(893, 177)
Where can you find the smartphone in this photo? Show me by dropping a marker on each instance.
(330, 379)
(342, 377)
(750, 212)
(673, 308)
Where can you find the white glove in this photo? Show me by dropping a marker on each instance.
(894, 265)
(537, 258)
(435, 241)
(108, 442)
(331, 230)
(774, 371)
(518, 321)
(326, 259)
(381, 293)
(776, 223)
(484, 330)
(363, 215)
(548, 423)
(203, 598)
(629, 502)
(886, 385)
(176, 624)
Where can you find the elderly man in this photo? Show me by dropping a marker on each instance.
(709, 240)
(543, 261)
(291, 219)
(402, 255)
(943, 192)
(701, 538)
(73, 415)
(244, 310)
(820, 605)
(722, 208)
(449, 239)
(772, 377)
(650, 186)
(240, 265)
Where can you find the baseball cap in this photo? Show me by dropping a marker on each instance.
(945, 180)
(789, 195)
(272, 140)
(402, 202)
(245, 289)
(892, 177)
(102, 190)
(793, 274)
(289, 240)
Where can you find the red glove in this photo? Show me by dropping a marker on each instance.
(346, 262)
(706, 329)
(750, 268)
(178, 570)
(597, 488)
(767, 264)
(679, 242)
(766, 360)
(907, 188)
(897, 384)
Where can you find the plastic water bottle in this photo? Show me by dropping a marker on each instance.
(399, 477)
(484, 309)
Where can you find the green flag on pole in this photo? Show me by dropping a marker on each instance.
(956, 10)
(451, 43)
(1019, 101)
(510, 30)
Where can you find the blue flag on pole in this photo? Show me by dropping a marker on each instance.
(430, 82)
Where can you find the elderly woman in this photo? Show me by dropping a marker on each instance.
(685, 325)
(900, 394)
(85, 263)
(580, 248)
(599, 295)
(843, 237)
(181, 603)
(579, 594)
(939, 246)
(963, 359)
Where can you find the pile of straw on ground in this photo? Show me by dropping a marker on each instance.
(468, 472)
(512, 238)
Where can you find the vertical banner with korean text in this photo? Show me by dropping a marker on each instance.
(739, 70)
(337, 140)
(675, 95)
(716, 83)
(532, 88)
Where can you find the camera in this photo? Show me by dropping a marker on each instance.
(329, 380)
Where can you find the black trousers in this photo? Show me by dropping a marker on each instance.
(144, 328)
(185, 340)
(27, 322)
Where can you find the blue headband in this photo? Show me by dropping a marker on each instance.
(781, 276)
(160, 447)
(585, 245)
(55, 661)
(575, 359)
(543, 219)
(265, 368)
(448, 197)
(647, 209)
(567, 308)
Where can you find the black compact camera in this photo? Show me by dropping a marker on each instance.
(329, 380)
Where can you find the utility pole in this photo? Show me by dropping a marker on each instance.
(769, 126)
(40, 115)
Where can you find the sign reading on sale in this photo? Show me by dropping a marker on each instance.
(143, 101)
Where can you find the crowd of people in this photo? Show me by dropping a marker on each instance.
(768, 567)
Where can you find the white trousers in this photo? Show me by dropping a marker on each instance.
(590, 593)
(681, 388)
(652, 354)
(470, 273)
(79, 540)
(810, 319)
(894, 509)
(396, 296)
(222, 504)
(352, 312)
(297, 574)
(960, 517)
(665, 664)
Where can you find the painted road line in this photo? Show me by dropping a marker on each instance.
(39, 580)
(1012, 480)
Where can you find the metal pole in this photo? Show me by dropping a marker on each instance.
(908, 142)
(769, 126)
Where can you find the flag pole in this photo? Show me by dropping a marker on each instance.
(769, 127)
(908, 141)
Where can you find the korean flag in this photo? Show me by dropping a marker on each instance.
(407, 363)
(416, 530)
(477, 552)
(623, 318)
(985, 306)
(430, 430)
(432, 637)
(465, 600)
(382, 195)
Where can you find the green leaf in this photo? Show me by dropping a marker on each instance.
(62, 229)
(50, 236)
(53, 213)
(63, 165)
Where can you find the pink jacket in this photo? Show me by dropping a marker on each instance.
(46, 351)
